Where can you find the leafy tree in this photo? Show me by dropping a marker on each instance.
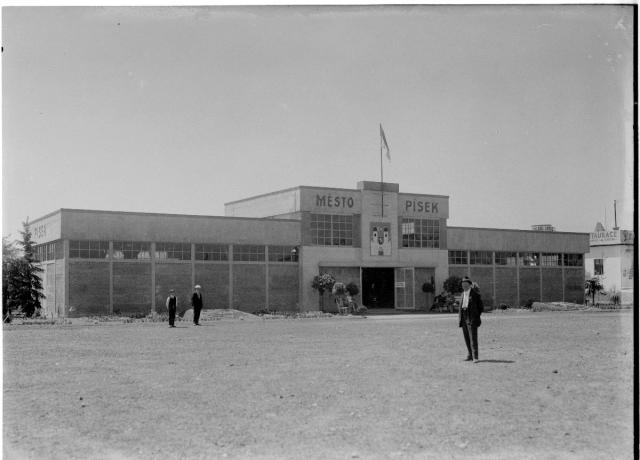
(593, 286)
(23, 283)
(453, 284)
(10, 254)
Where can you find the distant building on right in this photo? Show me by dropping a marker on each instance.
(610, 258)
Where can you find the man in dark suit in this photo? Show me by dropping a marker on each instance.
(471, 308)
(196, 303)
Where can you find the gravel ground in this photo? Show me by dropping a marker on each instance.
(549, 385)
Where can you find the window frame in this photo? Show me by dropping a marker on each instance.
(598, 267)
(480, 257)
(249, 253)
(89, 249)
(172, 249)
(572, 260)
(425, 234)
(131, 250)
(502, 258)
(455, 255)
(332, 230)
(286, 254)
(211, 252)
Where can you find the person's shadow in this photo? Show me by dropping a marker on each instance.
(502, 361)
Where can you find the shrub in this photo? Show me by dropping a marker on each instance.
(528, 303)
(592, 287)
(323, 282)
(339, 289)
(504, 306)
(453, 284)
(428, 287)
(445, 301)
(353, 289)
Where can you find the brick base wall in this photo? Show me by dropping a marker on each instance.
(506, 286)
(249, 287)
(174, 276)
(551, 284)
(283, 288)
(131, 288)
(483, 276)
(529, 284)
(215, 279)
(574, 285)
(88, 289)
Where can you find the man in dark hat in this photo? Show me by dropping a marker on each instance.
(196, 303)
(172, 305)
(471, 308)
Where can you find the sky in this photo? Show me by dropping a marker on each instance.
(522, 115)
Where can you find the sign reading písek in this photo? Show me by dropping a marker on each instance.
(423, 206)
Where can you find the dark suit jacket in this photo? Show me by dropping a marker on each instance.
(474, 310)
(196, 300)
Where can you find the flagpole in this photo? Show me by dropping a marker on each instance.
(381, 182)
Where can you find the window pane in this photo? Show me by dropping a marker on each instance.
(529, 259)
(248, 253)
(217, 252)
(332, 230)
(598, 267)
(506, 258)
(457, 257)
(551, 260)
(480, 258)
(88, 249)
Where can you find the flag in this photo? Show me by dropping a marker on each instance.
(383, 143)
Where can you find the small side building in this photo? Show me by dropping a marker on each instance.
(610, 258)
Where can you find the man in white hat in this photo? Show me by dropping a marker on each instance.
(471, 308)
(196, 303)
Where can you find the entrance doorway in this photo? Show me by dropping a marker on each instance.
(377, 287)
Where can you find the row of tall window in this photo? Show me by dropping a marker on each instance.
(337, 230)
(420, 233)
(140, 250)
(526, 259)
(331, 230)
(48, 251)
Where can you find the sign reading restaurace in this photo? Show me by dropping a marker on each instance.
(611, 237)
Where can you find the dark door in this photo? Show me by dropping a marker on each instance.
(377, 287)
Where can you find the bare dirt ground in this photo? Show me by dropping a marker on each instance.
(549, 385)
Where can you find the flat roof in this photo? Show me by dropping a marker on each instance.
(156, 214)
(517, 230)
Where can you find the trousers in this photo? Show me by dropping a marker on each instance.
(470, 335)
(196, 315)
(172, 315)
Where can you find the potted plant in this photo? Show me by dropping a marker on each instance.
(321, 283)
